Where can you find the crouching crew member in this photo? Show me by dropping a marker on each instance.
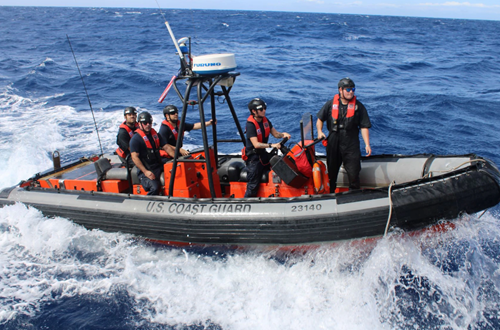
(258, 128)
(169, 129)
(345, 116)
(125, 133)
(145, 147)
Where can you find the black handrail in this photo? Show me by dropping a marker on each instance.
(201, 98)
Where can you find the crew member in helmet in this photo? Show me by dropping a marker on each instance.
(258, 128)
(345, 116)
(145, 147)
(125, 133)
(169, 129)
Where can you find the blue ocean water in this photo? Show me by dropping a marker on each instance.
(430, 86)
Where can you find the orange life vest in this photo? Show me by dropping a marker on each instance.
(156, 140)
(351, 106)
(172, 128)
(267, 130)
(130, 132)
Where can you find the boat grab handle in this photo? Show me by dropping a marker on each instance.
(390, 209)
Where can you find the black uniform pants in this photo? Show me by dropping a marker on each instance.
(350, 156)
(256, 165)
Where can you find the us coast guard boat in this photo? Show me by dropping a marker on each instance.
(203, 203)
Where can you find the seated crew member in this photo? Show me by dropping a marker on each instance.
(258, 128)
(169, 129)
(345, 116)
(125, 133)
(145, 147)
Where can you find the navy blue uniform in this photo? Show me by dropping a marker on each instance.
(169, 136)
(258, 159)
(151, 159)
(123, 141)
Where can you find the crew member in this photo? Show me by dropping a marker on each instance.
(169, 129)
(145, 147)
(125, 133)
(345, 116)
(258, 128)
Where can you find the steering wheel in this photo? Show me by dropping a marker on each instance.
(284, 150)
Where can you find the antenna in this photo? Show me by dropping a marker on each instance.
(88, 98)
(181, 55)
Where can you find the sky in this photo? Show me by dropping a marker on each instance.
(475, 9)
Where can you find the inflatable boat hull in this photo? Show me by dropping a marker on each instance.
(299, 220)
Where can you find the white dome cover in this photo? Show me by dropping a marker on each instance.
(214, 63)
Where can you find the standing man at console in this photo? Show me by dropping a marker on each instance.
(125, 133)
(169, 129)
(258, 128)
(345, 116)
(145, 147)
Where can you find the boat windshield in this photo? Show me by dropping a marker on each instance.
(306, 127)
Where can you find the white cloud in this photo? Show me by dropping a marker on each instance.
(459, 4)
(335, 3)
(392, 5)
(316, 1)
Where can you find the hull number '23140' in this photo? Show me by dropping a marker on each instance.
(186, 208)
(306, 208)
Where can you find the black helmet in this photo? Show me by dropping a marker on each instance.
(257, 104)
(129, 110)
(145, 117)
(346, 82)
(170, 110)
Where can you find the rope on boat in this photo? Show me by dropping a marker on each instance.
(428, 175)
(390, 209)
(482, 213)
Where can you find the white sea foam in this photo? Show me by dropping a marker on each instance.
(352, 285)
(37, 130)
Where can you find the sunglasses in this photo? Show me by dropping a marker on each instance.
(350, 89)
(146, 122)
